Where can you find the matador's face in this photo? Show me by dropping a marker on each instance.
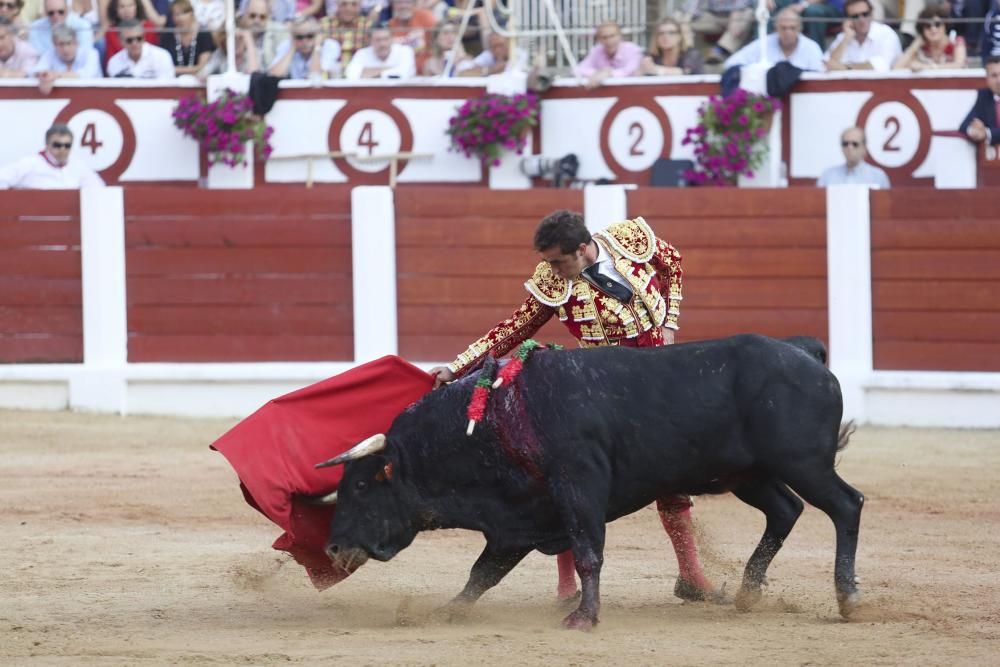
(568, 266)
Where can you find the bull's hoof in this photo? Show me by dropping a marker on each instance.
(848, 603)
(579, 621)
(688, 591)
(456, 610)
(747, 598)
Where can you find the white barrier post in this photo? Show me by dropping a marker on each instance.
(849, 292)
(603, 205)
(100, 384)
(373, 253)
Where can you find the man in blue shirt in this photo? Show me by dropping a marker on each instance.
(57, 13)
(855, 170)
(786, 43)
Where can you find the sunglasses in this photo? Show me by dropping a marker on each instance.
(852, 144)
(862, 15)
(8, 5)
(133, 40)
(254, 17)
(309, 35)
(936, 23)
(55, 12)
(60, 145)
(668, 32)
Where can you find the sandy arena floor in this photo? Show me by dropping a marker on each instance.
(127, 542)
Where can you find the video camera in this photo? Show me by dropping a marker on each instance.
(561, 171)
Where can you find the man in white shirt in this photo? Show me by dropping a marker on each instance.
(57, 13)
(140, 59)
(306, 60)
(855, 170)
(493, 60)
(17, 57)
(50, 169)
(383, 59)
(863, 43)
(786, 43)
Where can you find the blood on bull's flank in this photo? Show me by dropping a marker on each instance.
(558, 454)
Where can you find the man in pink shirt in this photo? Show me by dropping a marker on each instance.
(610, 56)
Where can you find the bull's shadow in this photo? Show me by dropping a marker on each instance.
(582, 437)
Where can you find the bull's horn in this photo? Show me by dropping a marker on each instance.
(328, 499)
(372, 445)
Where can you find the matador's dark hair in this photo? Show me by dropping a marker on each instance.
(564, 229)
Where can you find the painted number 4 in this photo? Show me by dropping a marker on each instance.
(367, 138)
(89, 138)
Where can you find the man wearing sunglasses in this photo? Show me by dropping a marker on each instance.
(855, 171)
(50, 169)
(863, 43)
(267, 32)
(57, 13)
(140, 59)
(308, 55)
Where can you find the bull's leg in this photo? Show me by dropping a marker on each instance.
(489, 569)
(782, 509)
(842, 503)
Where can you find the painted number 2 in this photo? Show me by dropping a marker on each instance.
(636, 129)
(367, 138)
(89, 138)
(891, 122)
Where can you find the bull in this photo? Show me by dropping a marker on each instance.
(583, 437)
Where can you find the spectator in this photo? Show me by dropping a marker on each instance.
(267, 32)
(445, 42)
(349, 27)
(412, 27)
(785, 44)
(990, 39)
(66, 60)
(50, 169)
(17, 58)
(609, 57)
(383, 58)
(140, 59)
(863, 43)
(933, 48)
(247, 60)
(306, 60)
(813, 13)
(210, 14)
(493, 60)
(279, 11)
(671, 53)
(56, 14)
(478, 27)
(983, 122)
(120, 11)
(189, 46)
(732, 18)
(855, 170)
(11, 10)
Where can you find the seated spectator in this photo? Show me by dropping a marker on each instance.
(445, 46)
(11, 10)
(189, 47)
(279, 11)
(66, 60)
(56, 14)
(933, 47)
(247, 60)
(855, 170)
(732, 18)
(140, 59)
(17, 58)
(609, 57)
(384, 59)
(813, 13)
(50, 169)
(306, 60)
(349, 27)
(493, 60)
(863, 43)
(671, 53)
(990, 39)
(787, 43)
(412, 27)
(267, 33)
(982, 124)
(210, 14)
(120, 11)
(478, 27)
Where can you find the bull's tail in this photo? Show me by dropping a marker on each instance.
(811, 346)
(845, 435)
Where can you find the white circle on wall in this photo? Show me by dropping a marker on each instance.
(97, 138)
(893, 134)
(635, 138)
(368, 134)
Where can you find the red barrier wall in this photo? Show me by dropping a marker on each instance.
(936, 280)
(41, 317)
(463, 257)
(754, 260)
(224, 275)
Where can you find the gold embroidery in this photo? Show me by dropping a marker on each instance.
(547, 287)
(631, 238)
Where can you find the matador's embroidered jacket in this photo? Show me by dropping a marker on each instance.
(652, 268)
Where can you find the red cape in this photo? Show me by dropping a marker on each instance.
(274, 450)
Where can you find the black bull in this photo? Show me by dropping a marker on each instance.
(587, 436)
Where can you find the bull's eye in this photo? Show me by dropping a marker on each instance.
(361, 485)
